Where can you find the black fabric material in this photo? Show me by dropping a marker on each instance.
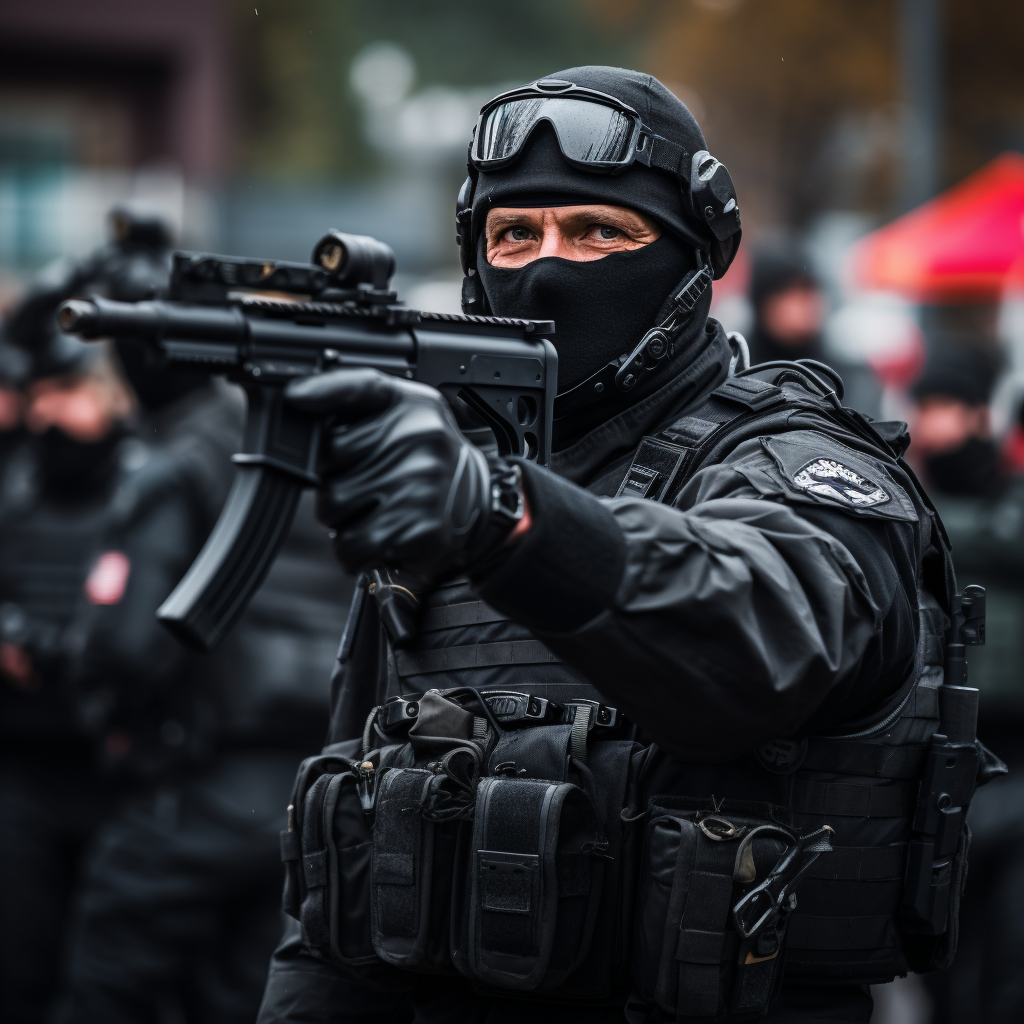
(50, 805)
(180, 911)
(610, 428)
(156, 388)
(304, 990)
(542, 171)
(70, 469)
(601, 308)
(567, 568)
(972, 470)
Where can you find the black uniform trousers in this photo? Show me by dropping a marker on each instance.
(303, 990)
(180, 907)
(50, 804)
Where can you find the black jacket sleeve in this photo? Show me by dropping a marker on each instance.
(745, 612)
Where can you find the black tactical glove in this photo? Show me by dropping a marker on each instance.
(401, 487)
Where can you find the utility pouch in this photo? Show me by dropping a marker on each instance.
(533, 884)
(716, 892)
(326, 853)
(415, 848)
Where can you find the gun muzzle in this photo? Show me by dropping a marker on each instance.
(78, 316)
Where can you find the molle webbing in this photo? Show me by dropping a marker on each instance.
(840, 933)
(455, 616)
(451, 659)
(842, 799)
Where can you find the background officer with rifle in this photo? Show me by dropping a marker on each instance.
(651, 730)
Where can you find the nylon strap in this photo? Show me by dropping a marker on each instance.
(453, 659)
(840, 932)
(849, 757)
(704, 922)
(843, 800)
(860, 863)
(580, 728)
(452, 616)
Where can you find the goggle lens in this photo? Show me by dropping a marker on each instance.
(588, 133)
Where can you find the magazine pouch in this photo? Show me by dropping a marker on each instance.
(534, 878)
(415, 843)
(326, 854)
(716, 892)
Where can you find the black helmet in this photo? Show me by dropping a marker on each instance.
(606, 135)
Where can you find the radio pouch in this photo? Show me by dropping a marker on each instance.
(716, 894)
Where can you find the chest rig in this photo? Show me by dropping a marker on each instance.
(500, 823)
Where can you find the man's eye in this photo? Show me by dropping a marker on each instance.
(604, 231)
(519, 234)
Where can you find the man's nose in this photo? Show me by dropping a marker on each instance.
(554, 243)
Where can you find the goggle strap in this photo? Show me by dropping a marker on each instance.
(663, 155)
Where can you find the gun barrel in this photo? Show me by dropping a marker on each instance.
(78, 317)
(150, 320)
(190, 332)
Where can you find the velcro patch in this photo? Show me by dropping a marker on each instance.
(830, 479)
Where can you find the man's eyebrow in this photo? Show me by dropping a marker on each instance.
(511, 215)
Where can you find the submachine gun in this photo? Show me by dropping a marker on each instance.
(263, 324)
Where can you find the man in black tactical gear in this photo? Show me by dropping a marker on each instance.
(56, 491)
(646, 683)
(178, 912)
(982, 508)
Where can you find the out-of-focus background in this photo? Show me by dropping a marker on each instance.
(877, 148)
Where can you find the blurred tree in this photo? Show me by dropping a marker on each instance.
(293, 56)
(802, 98)
(797, 96)
(984, 69)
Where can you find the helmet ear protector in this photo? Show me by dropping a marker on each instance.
(709, 201)
(474, 301)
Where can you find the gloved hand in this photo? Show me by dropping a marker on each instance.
(401, 487)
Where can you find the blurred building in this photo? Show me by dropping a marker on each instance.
(106, 101)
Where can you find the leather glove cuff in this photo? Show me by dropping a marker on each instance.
(506, 506)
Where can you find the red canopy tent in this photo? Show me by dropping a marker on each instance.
(958, 247)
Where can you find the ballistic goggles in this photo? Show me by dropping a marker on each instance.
(596, 132)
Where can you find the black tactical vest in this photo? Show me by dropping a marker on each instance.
(673, 861)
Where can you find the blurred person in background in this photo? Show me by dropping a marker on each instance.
(790, 308)
(56, 493)
(982, 508)
(13, 368)
(179, 907)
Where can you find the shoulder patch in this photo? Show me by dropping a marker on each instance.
(810, 467)
(829, 478)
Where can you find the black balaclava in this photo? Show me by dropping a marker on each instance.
(602, 308)
(73, 470)
(973, 469)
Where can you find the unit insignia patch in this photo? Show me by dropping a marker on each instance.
(830, 479)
